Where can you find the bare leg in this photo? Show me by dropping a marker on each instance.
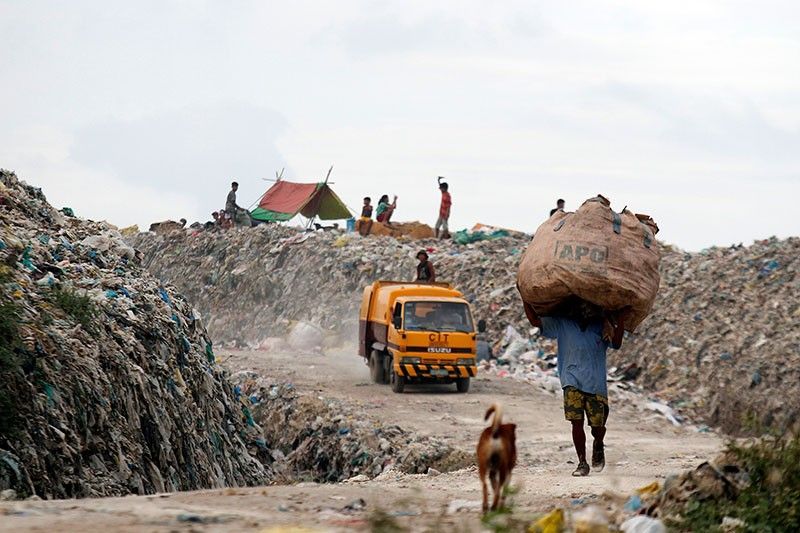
(579, 439)
(599, 434)
(598, 448)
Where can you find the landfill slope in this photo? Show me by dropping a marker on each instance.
(721, 343)
(109, 383)
(251, 284)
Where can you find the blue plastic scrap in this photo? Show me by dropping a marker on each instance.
(164, 296)
(210, 352)
(26, 259)
(633, 504)
(768, 268)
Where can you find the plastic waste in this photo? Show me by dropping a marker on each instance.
(552, 522)
(591, 519)
(643, 524)
(118, 395)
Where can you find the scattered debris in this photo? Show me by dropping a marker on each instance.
(109, 385)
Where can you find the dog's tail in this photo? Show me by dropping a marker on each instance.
(498, 417)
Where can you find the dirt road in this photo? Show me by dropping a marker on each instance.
(641, 447)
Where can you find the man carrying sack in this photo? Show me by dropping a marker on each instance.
(582, 348)
(584, 279)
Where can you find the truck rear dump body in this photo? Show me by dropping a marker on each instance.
(417, 333)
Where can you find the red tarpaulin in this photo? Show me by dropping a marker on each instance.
(287, 197)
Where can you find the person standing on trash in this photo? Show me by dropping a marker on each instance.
(559, 206)
(582, 347)
(364, 224)
(231, 207)
(444, 211)
(384, 212)
(425, 271)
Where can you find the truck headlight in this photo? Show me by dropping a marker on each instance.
(410, 360)
(468, 362)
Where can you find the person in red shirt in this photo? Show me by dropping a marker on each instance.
(444, 211)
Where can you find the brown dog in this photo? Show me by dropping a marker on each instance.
(497, 456)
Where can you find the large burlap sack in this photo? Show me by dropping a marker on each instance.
(609, 259)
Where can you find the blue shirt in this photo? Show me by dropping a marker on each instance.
(581, 354)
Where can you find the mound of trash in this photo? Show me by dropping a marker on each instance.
(321, 439)
(724, 320)
(723, 341)
(109, 381)
(254, 283)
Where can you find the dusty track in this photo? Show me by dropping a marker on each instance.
(640, 447)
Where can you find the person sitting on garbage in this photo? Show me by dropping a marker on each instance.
(212, 223)
(559, 206)
(444, 211)
(483, 349)
(582, 347)
(384, 212)
(425, 271)
(364, 224)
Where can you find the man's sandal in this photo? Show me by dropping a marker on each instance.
(582, 470)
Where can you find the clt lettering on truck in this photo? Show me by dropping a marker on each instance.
(413, 333)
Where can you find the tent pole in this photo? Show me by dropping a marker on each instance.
(329, 174)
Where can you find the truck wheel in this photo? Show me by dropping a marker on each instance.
(398, 382)
(376, 367)
(462, 384)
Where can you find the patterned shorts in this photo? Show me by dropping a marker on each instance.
(595, 406)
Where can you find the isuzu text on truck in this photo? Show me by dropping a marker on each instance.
(417, 333)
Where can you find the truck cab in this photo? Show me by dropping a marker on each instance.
(412, 333)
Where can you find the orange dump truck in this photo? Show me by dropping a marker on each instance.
(417, 333)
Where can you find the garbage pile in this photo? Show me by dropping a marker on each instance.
(723, 341)
(253, 283)
(109, 381)
(750, 486)
(324, 440)
(723, 322)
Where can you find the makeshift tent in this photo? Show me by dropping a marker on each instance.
(285, 199)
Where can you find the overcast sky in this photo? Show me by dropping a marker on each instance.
(141, 111)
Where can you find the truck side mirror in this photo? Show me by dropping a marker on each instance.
(397, 321)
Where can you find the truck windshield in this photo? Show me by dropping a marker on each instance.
(437, 316)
